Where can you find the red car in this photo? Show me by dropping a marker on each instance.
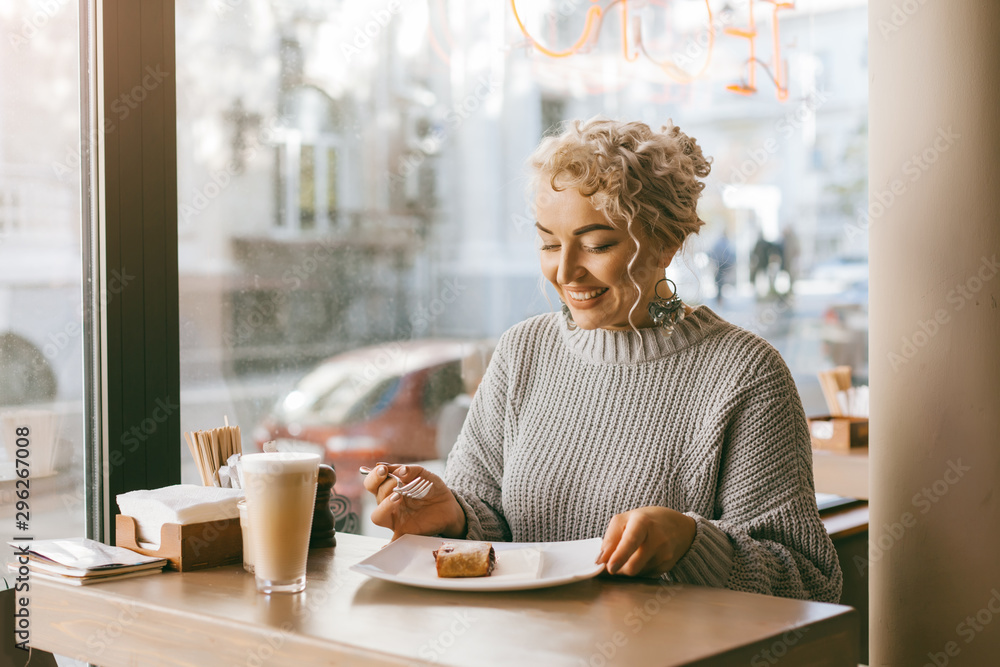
(378, 403)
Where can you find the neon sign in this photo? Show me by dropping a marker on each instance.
(595, 17)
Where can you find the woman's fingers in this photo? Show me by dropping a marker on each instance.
(386, 513)
(375, 478)
(408, 473)
(612, 535)
(393, 509)
(646, 541)
(639, 563)
(380, 483)
(632, 538)
(435, 513)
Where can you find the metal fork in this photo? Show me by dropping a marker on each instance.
(416, 489)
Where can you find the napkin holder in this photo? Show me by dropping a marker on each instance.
(838, 434)
(187, 547)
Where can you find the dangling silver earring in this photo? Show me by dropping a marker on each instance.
(666, 312)
(569, 316)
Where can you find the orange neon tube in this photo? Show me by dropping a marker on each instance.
(594, 13)
(628, 58)
(675, 72)
(750, 34)
(781, 83)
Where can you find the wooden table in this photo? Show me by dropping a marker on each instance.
(216, 618)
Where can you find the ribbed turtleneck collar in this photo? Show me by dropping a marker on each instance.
(606, 346)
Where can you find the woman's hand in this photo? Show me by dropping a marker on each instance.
(646, 542)
(437, 513)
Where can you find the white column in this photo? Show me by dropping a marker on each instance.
(934, 187)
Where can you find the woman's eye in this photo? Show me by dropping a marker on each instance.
(590, 249)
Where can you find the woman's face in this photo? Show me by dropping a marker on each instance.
(586, 260)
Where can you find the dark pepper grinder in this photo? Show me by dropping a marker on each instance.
(323, 533)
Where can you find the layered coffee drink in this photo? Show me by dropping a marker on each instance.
(280, 495)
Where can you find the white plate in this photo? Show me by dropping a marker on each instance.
(520, 565)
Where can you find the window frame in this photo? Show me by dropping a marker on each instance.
(129, 223)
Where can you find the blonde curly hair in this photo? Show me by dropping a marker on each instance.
(635, 175)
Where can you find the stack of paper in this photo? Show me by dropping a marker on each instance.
(79, 561)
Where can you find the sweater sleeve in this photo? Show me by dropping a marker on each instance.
(474, 470)
(766, 535)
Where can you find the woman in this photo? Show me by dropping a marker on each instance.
(677, 436)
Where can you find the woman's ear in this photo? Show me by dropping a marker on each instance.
(667, 256)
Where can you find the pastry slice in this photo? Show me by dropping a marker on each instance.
(465, 559)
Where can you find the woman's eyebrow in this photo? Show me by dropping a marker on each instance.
(593, 228)
(583, 230)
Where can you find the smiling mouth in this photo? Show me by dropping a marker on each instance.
(586, 296)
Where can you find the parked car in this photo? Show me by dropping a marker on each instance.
(379, 403)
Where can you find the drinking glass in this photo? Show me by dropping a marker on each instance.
(280, 496)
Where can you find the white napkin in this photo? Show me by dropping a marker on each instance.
(180, 503)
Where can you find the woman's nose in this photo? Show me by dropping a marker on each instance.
(570, 268)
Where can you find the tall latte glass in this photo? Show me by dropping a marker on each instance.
(280, 495)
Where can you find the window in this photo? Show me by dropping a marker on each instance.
(41, 266)
(372, 209)
(312, 194)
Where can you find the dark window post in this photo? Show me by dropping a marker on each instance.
(137, 400)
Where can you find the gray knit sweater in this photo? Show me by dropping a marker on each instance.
(570, 427)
